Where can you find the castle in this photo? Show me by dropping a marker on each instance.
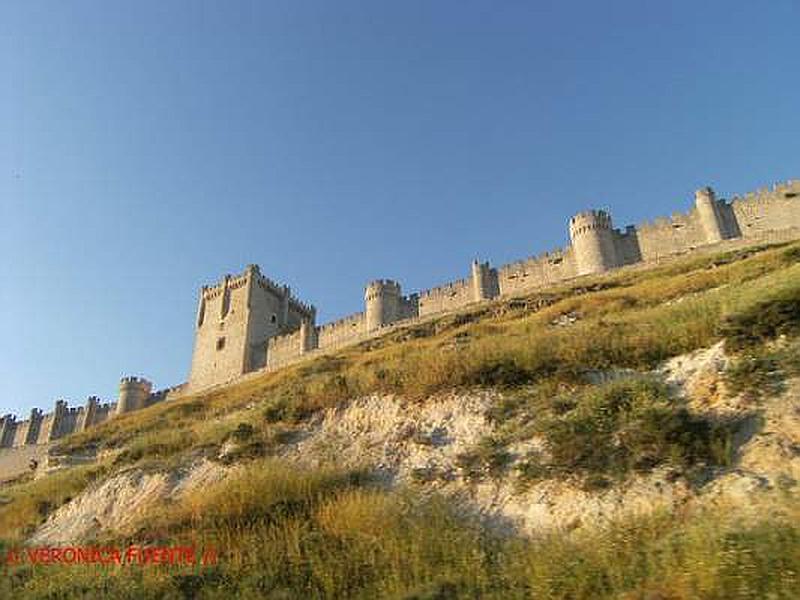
(248, 323)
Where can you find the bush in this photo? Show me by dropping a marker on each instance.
(755, 375)
(243, 432)
(622, 427)
(488, 458)
(763, 322)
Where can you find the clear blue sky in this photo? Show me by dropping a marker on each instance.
(148, 147)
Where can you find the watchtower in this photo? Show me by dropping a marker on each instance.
(709, 214)
(484, 281)
(382, 303)
(133, 394)
(592, 238)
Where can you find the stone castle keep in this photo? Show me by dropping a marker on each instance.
(248, 323)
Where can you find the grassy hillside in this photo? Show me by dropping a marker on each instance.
(336, 533)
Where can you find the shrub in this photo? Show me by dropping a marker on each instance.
(488, 458)
(243, 432)
(755, 375)
(625, 426)
(763, 321)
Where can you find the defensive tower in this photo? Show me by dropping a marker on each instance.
(484, 281)
(592, 238)
(382, 303)
(308, 336)
(710, 218)
(235, 319)
(133, 394)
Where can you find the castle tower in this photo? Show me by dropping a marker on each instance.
(308, 336)
(59, 414)
(484, 281)
(133, 394)
(593, 241)
(708, 211)
(35, 424)
(8, 426)
(235, 319)
(89, 413)
(382, 300)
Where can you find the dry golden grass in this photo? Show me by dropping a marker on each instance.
(27, 505)
(285, 533)
(631, 318)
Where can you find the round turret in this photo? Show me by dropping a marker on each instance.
(592, 238)
(706, 202)
(382, 300)
(133, 394)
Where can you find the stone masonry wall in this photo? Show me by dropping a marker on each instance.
(536, 272)
(64, 420)
(758, 215)
(447, 297)
(282, 349)
(342, 332)
(248, 323)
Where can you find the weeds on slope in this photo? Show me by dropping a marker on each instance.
(334, 535)
(630, 319)
(27, 505)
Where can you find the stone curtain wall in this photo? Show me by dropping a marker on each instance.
(342, 332)
(282, 349)
(248, 323)
(445, 298)
(44, 428)
(668, 236)
(536, 272)
(763, 215)
(768, 209)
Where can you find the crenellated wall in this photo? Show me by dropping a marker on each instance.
(283, 348)
(248, 322)
(768, 209)
(595, 246)
(445, 298)
(536, 272)
(344, 331)
(64, 420)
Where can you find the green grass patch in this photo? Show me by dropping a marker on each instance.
(764, 321)
(606, 432)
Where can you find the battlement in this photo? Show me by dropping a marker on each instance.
(252, 271)
(134, 380)
(589, 220)
(348, 320)
(390, 283)
(262, 331)
(97, 403)
(381, 286)
(705, 193)
(445, 288)
(42, 428)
